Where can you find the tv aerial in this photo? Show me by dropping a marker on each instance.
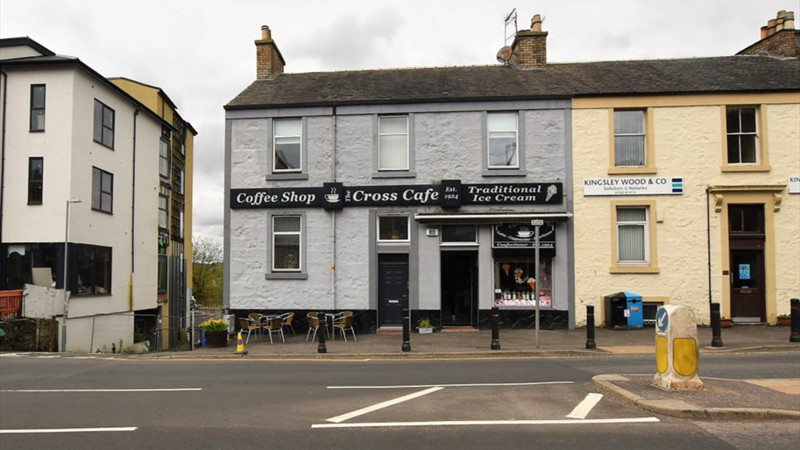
(505, 53)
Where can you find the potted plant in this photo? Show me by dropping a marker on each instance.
(425, 326)
(216, 332)
(784, 320)
(725, 323)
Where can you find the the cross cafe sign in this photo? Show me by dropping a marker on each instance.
(448, 194)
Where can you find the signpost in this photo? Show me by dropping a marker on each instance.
(537, 223)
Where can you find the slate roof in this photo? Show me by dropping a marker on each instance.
(565, 80)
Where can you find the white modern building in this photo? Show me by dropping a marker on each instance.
(69, 134)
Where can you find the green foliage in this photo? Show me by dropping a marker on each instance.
(214, 325)
(425, 323)
(207, 271)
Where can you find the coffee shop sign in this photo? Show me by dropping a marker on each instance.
(450, 193)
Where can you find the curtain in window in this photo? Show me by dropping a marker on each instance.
(393, 143)
(629, 138)
(631, 229)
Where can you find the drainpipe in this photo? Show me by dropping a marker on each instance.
(333, 216)
(3, 174)
(708, 237)
(133, 209)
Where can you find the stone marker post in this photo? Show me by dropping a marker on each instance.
(677, 351)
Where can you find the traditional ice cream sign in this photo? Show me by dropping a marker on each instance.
(450, 193)
(633, 186)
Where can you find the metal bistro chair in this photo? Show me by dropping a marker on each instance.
(287, 319)
(275, 325)
(249, 325)
(313, 324)
(259, 320)
(344, 324)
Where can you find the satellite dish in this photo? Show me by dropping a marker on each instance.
(504, 54)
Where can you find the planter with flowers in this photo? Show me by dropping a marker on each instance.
(784, 320)
(216, 332)
(425, 326)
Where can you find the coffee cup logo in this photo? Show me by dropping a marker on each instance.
(333, 196)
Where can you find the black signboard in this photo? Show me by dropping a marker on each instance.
(450, 193)
(520, 235)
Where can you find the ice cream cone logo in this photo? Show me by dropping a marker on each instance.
(551, 191)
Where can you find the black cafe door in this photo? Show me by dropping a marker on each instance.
(392, 289)
(747, 274)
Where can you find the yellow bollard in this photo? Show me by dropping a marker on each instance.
(240, 345)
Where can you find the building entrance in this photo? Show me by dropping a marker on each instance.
(392, 289)
(746, 243)
(459, 288)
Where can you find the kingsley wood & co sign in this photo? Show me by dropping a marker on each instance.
(450, 193)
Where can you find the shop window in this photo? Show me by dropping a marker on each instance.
(632, 232)
(286, 243)
(103, 124)
(32, 264)
(35, 180)
(742, 135)
(459, 234)
(629, 139)
(287, 145)
(102, 190)
(393, 143)
(515, 282)
(502, 136)
(94, 270)
(163, 211)
(393, 229)
(37, 107)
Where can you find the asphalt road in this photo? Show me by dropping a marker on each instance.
(523, 403)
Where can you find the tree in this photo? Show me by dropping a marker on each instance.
(207, 270)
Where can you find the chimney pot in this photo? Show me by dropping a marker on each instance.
(536, 23)
(266, 34)
(764, 31)
(771, 24)
(779, 25)
(788, 22)
(781, 14)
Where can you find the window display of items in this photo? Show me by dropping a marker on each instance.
(515, 287)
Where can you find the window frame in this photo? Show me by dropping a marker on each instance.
(300, 242)
(651, 249)
(165, 210)
(444, 243)
(167, 159)
(163, 265)
(756, 134)
(762, 143)
(517, 152)
(643, 134)
(644, 226)
(393, 241)
(408, 142)
(275, 137)
(103, 128)
(31, 181)
(649, 144)
(95, 250)
(110, 193)
(33, 108)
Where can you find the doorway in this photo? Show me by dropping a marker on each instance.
(747, 274)
(459, 279)
(392, 289)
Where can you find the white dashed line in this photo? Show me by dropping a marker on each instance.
(67, 430)
(418, 386)
(486, 422)
(50, 391)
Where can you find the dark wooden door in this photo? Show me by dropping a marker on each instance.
(459, 271)
(392, 289)
(747, 285)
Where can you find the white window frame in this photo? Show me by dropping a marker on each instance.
(406, 134)
(646, 225)
(739, 134)
(182, 175)
(457, 244)
(299, 233)
(181, 223)
(394, 241)
(489, 139)
(643, 134)
(275, 137)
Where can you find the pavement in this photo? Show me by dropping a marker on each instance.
(514, 343)
(92, 401)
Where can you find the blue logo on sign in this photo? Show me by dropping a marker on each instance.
(662, 320)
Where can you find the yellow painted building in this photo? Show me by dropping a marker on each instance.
(731, 236)
(175, 215)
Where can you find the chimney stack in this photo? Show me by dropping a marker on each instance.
(269, 61)
(778, 38)
(530, 46)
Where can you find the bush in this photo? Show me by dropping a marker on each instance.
(214, 325)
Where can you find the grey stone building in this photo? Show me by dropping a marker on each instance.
(377, 190)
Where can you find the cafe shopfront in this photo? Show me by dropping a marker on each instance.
(448, 251)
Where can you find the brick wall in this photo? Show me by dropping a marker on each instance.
(782, 43)
(530, 49)
(268, 61)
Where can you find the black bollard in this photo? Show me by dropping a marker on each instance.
(323, 330)
(795, 320)
(716, 331)
(590, 328)
(406, 332)
(495, 329)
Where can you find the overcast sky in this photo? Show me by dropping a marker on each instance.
(202, 53)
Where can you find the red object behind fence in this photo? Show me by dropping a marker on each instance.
(10, 304)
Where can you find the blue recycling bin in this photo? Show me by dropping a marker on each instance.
(635, 310)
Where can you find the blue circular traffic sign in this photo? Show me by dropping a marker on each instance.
(662, 320)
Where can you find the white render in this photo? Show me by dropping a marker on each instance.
(69, 153)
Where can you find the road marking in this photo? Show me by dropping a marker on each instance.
(382, 405)
(584, 407)
(412, 386)
(486, 422)
(49, 391)
(67, 430)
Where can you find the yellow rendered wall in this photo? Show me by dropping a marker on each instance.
(688, 143)
(146, 95)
